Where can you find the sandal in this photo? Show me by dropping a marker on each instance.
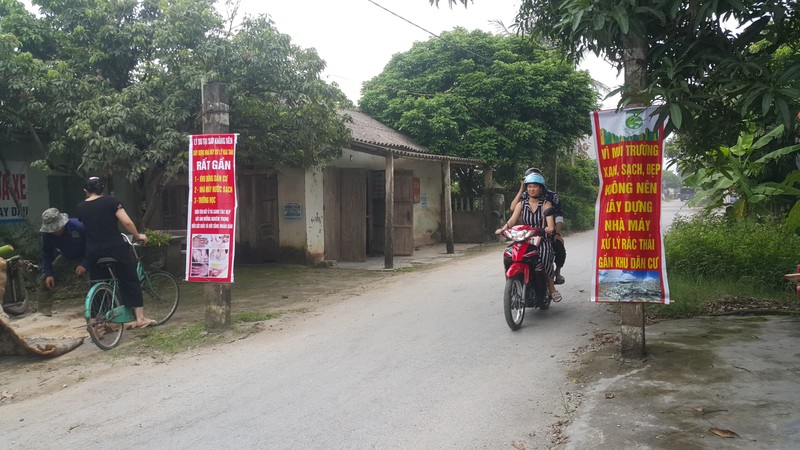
(147, 323)
(556, 296)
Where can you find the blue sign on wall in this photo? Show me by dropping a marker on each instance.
(292, 211)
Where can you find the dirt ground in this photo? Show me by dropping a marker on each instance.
(284, 291)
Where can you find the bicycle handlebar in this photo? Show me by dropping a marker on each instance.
(130, 241)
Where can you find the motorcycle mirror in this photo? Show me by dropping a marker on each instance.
(550, 211)
(497, 214)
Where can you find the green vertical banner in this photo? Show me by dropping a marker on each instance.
(629, 264)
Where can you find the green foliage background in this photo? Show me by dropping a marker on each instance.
(577, 189)
(743, 250)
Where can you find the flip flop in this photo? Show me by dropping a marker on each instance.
(556, 296)
(149, 323)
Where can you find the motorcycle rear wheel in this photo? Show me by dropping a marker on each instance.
(514, 302)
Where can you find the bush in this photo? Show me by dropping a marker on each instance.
(156, 239)
(744, 250)
(577, 190)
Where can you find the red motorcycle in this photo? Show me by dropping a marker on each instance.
(525, 286)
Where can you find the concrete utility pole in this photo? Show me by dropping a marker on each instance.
(632, 334)
(388, 250)
(448, 209)
(216, 120)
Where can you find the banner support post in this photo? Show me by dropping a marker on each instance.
(216, 120)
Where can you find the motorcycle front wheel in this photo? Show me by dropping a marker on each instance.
(514, 302)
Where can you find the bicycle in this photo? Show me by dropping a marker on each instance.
(15, 299)
(105, 314)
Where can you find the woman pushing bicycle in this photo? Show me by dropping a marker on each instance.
(101, 216)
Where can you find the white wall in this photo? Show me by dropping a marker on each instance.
(315, 223)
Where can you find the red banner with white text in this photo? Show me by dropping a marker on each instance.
(629, 263)
(212, 208)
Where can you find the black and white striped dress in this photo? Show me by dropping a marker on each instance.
(536, 219)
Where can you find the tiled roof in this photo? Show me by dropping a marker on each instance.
(369, 131)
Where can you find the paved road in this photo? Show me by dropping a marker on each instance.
(425, 362)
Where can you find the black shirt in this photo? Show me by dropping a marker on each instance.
(99, 217)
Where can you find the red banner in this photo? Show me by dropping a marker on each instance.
(212, 208)
(629, 249)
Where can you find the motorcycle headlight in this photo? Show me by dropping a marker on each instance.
(519, 235)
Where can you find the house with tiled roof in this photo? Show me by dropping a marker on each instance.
(344, 205)
(341, 212)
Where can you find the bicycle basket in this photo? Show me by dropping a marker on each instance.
(153, 258)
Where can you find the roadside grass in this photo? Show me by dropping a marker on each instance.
(722, 265)
(172, 340)
(691, 296)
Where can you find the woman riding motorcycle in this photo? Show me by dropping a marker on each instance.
(531, 212)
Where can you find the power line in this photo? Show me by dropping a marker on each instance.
(430, 32)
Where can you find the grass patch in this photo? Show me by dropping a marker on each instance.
(691, 296)
(172, 340)
(250, 316)
(720, 265)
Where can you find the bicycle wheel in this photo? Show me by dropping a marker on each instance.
(161, 295)
(105, 333)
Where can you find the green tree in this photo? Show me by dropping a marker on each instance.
(701, 72)
(694, 60)
(113, 88)
(670, 180)
(502, 99)
(737, 170)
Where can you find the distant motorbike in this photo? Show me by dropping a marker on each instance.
(15, 298)
(525, 286)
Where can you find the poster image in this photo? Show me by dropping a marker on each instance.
(212, 208)
(629, 263)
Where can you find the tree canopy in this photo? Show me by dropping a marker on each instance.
(738, 55)
(502, 99)
(113, 88)
(722, 70)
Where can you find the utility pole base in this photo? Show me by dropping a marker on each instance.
(218, 306)
(632, 340)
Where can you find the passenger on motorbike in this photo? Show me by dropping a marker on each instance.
(558, 241)
(531, 212)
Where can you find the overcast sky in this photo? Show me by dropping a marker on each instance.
(356, 38)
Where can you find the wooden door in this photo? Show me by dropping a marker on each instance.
(258, 239)
(345, 214)
(403, 213)
(403, 243)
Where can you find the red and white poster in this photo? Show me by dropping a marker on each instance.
(212, 208)
(629, 264)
